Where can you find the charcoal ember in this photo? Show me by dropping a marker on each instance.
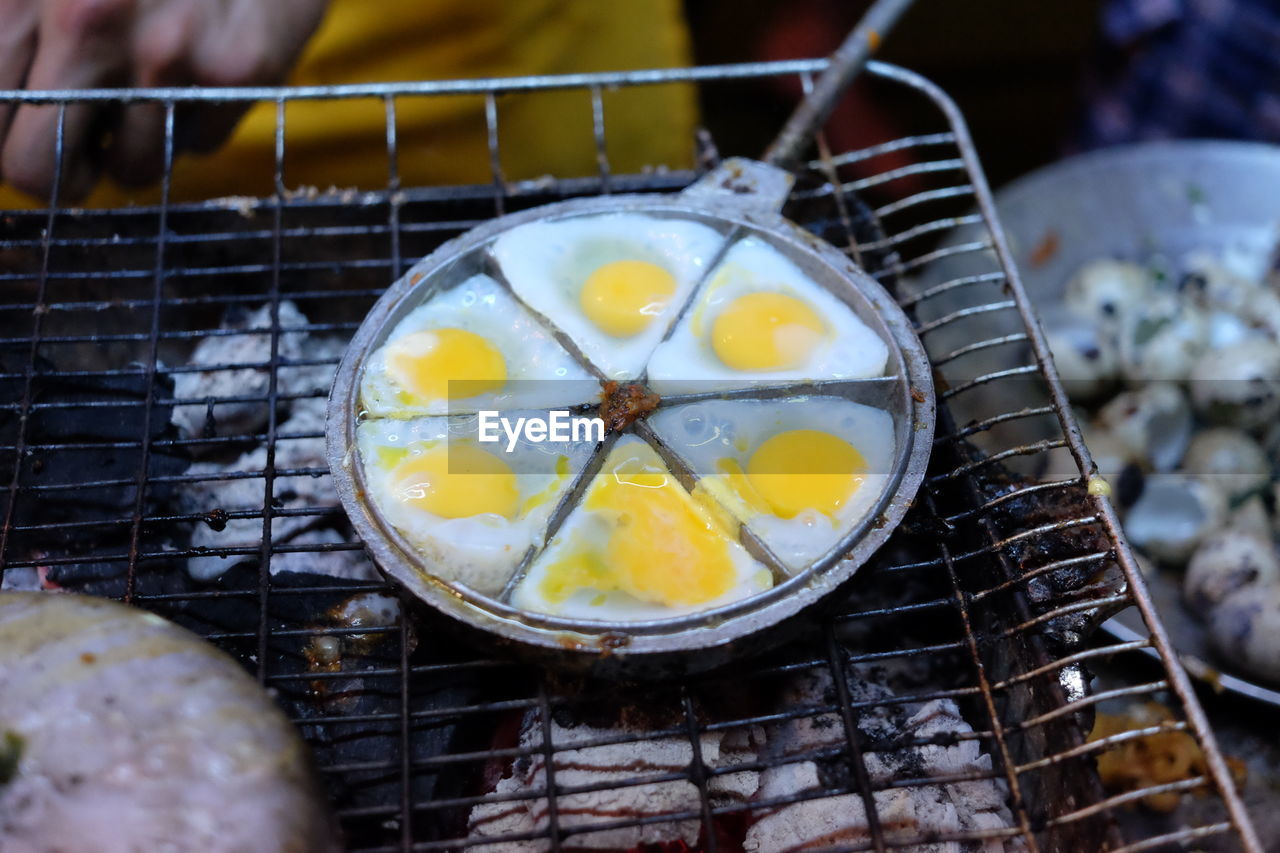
(312, 377)
(218, 390)
(900, 740)
(299, 444)
(219, 488)
(641, 754)
(802, 755)
(341, 563)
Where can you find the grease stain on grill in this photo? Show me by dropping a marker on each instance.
(217, 519)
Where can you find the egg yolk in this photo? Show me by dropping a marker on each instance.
(623, 297)
(457, 482)
(425, 363)
(662, 547)
(805, 469)
(734, 489)
(766, 331)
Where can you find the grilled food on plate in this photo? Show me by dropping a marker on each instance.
(1178, 391)
(121, 733)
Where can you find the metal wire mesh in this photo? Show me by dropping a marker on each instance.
(980, 605)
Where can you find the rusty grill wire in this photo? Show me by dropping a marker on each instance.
(981, 596)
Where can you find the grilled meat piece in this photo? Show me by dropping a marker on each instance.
(128, 733)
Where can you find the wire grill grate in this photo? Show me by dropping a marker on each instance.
(975, 609)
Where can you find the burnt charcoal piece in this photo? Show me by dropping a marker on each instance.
(1054, 512)
(620, 733)
(109, 578)
(86, 433)
(87, 440)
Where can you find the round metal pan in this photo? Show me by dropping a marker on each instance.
(740, 198)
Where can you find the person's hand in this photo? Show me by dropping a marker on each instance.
(82, 44)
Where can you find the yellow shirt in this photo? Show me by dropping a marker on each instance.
(442, 139)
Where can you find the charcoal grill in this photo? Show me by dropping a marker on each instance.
(986, 595)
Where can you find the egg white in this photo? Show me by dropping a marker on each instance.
(686, 361)
(540, 372)
(479, 551)
(617, 606)
(705, 432)
(547, 264)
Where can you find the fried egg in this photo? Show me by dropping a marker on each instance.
(760, 319)
(638, 546)
(612, 283)
(471, 509)
(479, 338)
(800, 473)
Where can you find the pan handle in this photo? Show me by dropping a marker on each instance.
(746, 185)
(846, 62)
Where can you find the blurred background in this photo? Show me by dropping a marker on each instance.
(1016, 70)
